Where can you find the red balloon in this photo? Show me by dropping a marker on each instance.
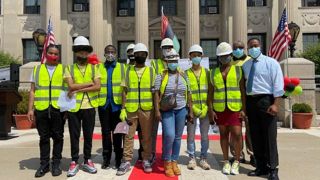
(295, 81)
(93, 59)
(286, 81)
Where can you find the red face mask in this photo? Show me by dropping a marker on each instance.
(52, 57)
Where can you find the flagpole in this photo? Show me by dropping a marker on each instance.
(287, 71)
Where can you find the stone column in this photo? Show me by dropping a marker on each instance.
(142, 22)
(226, 32)
(240, 28)
(108, 13)
(192, 23)
(96, 30)
(53, 8)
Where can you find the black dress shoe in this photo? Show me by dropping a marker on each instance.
(258, 172)
(273, 174)
(55, 169)
(42, 170)
(105, 165)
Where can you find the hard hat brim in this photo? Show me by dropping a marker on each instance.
(75, 49)
(223, 54)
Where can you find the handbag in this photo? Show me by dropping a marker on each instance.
(169, 102)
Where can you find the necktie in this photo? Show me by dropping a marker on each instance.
(250, 77)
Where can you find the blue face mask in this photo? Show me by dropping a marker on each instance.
(196, 60)
(225, 60)
(238, 53)
(254, 52)
(173, 66)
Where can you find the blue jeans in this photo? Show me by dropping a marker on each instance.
(173, 122)
(204, 130)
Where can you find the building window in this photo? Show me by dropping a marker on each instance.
(256, 3)
(262, 38)
(209, 47)
(209, 6)
(126, 7)
(30, 52)
(169, 7)
(80, 5)
(122, 50)
(310, 3)
(31, 6)
(310, 39)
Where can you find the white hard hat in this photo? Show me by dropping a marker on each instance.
(224, 49)
(172, 55)
(130, 46)
(81, 43)
(196, 48)
(140, 47)
(166, 42)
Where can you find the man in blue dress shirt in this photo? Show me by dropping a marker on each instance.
(264, 88)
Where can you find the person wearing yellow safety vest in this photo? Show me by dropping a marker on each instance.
(174, 83)
(227, 104)
(46, 86)
(159, 65)
(238, 59)
(110, 100)
(84, 83)
(198, 77)
(137, 107)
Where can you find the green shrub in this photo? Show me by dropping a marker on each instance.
(312, 53)
(301, 108)
(22, 106)
(6, 59)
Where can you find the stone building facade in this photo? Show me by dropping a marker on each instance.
(120, 22)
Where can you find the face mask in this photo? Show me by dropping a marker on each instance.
(238, 53)
(254, 52)
(131, 58)
(173, 66)
(82, 60)
(52, 57)
(196, 60)
(225, 60)
(110, 57)
(140, 60)
(165, 52)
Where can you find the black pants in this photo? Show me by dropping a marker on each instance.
(47, 127)
(109, 121)
(263, 129)
(86, 118)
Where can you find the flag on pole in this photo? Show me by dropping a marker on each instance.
(281, 38)
(167, 32)
(49, 40)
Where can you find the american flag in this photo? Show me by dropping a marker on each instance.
(49, 40)
(281, 39)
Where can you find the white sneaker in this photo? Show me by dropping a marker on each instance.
(235, 168)
(192, 164)
(226, 168)
(204, 164)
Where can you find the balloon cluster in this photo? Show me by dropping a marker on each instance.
(93, 59)
(292, 87)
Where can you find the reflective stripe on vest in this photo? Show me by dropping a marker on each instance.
(118, 75)
(79, 78)
(158, 65)
(139, 92)
(231, 91)
(199, 88)
(47, 91)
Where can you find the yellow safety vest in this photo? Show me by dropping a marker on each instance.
(199, 88)
(165, 80)
(118, 75)
(158, 65)
(47, 91)
(240, 62)
(79, 78)
(229, 94)
(139, 92)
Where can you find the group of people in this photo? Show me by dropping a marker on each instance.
(243, 88)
